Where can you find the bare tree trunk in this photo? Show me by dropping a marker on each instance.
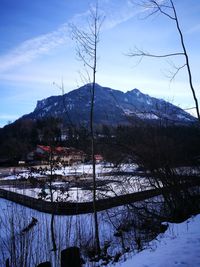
(53, 233)
(87, 52)
(187, 61)
(167, 8)
(51, 197)
(94, 169)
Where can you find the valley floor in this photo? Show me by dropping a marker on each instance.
(178, 246)
(74, 184)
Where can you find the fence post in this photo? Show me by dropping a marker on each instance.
(70, 257)
(45, 264)
(7, 263)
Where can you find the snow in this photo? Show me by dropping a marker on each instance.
(70, 106)
(149, 102)
(120, 186)
(75, 169)
(147, 115)
(38, 240)
(178, 246)
(128, 111)
(66, 189)
(185, 170)
(46, 109)
(24, 175)
(137, 92)
(183, 117)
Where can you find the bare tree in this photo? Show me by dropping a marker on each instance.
(87, 45)
(168, 9)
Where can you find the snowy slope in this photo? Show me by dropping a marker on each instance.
(178, 246)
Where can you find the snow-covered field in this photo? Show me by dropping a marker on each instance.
(74, 183)
(179, 246)
(76, 169)
(123, 185)
(109, 183)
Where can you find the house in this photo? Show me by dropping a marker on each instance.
(98, 158)
(64, 155)
(73, 155)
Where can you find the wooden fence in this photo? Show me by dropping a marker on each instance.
(72, 208)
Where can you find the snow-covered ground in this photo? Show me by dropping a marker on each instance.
(80, 169)
(114, 186)
(179, 246)
(110, 183)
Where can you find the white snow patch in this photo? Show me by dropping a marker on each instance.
(128, 112)
(149, 102)
(147, 115)
(178, 246)
(182, 117)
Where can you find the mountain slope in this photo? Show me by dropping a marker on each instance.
(112, 107)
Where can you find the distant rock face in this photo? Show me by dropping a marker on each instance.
(111, 107)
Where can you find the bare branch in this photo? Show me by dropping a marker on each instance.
(141, 53)
(159, 8)
(84, 60)
(189, 108)
(177, 71)
(85, 78)
(167, 8)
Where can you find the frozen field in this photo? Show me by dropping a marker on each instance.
(67, 187)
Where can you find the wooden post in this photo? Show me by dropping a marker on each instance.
(7, 263)
(70, 257)
(45, 264)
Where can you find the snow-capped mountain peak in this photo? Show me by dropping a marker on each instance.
(112, 107)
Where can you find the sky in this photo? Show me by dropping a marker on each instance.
(37, 51)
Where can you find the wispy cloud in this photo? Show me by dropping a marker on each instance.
(118, 13)
(28, 78)
(32, 48)
(115, 13)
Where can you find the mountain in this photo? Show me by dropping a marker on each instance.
(111, 107)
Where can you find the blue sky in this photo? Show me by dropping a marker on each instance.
(36, 51)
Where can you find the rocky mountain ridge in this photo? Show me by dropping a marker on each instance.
(111, 107)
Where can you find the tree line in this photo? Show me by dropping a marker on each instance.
(150, 145)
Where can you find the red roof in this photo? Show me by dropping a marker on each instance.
(98, 157)
(59, 149)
